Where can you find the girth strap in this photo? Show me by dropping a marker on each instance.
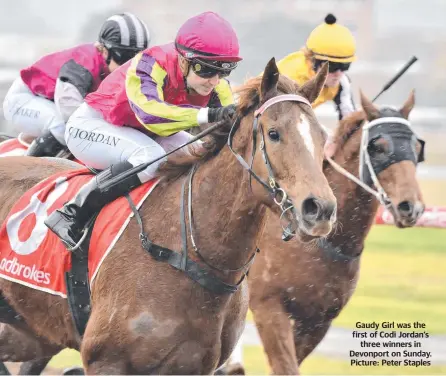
(181, 261)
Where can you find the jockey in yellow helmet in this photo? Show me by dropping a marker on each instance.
(330, 42)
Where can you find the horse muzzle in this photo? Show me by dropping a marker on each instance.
(315, 219)
(317, 216)
(408, 213)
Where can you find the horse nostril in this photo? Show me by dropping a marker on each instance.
(405, 207)
(317, 209)
(310, 208)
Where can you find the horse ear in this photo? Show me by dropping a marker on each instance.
(269, 80)
(312, 88)
(408, 105)
(371, 111)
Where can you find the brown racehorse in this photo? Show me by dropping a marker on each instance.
(296, 290)
(148, 317)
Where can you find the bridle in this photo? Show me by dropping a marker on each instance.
(366, 164)
(279, 196)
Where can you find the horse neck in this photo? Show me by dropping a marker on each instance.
(227, 217)
(356, 210)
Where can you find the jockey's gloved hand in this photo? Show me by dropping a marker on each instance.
(221, 113)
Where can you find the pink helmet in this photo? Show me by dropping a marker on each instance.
(209, 37)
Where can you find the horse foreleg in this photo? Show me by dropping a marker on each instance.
(97, 359)
(231, 369)
(34, 367)
(276, 333)
(307, 337)
(234, 365)
(21, 346)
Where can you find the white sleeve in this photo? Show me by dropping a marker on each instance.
(67, 98)
(344, 98)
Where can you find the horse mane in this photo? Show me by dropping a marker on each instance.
(249, 98)
(211, 145)
(347, 127)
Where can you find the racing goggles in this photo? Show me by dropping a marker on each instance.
(332, 66)
(209, 69)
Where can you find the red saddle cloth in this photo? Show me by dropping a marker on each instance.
(30, 254)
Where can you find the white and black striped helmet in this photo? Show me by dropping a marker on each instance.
(124, 35)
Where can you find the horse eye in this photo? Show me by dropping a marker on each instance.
(274, 135)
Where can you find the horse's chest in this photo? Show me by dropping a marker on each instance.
(320, 289)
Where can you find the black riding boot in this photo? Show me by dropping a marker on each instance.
(45, 145)
(69, 222)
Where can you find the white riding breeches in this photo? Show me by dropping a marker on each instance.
(100, 144)
(31, 114)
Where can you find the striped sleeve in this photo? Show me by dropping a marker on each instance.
(344, 98)
(145, 81)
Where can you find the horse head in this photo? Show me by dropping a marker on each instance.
(384, 145)
(286, 151)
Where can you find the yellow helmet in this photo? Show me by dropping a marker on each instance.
(333, 42)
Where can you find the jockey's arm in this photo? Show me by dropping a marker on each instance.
(344, 98)
(144, 86)
(72, 85)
